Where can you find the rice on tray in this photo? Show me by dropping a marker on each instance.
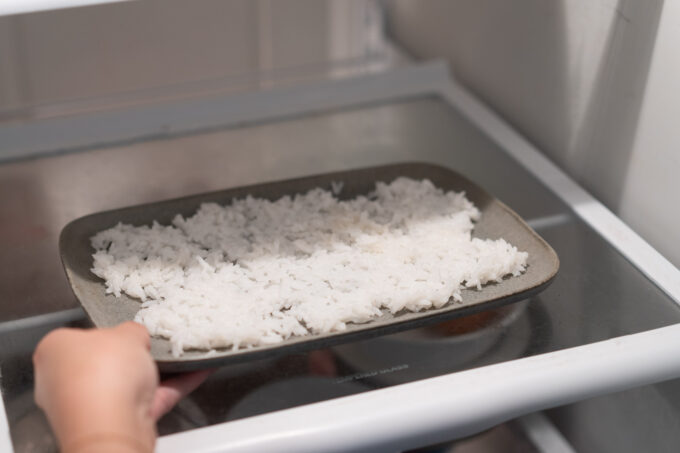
(257, 272)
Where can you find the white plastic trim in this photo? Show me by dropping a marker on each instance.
(446, 407)
(543, 434)
(31, 6)
(5, 439)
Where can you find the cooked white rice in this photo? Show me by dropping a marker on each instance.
(257, 272)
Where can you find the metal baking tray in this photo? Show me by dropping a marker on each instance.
(497, 221)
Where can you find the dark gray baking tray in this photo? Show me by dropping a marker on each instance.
(497, 221)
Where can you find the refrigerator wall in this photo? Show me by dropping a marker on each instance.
(145, 49)
(593, 84)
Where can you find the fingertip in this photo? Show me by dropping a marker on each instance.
(169, 392)
(196, 378)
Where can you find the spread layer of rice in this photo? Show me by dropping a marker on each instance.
(257, 272)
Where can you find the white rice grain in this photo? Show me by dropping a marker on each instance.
(258, 272)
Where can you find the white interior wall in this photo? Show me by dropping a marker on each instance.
(81, 52)
(10, 84)
(91, 51)
(591, 83)
(649, 200)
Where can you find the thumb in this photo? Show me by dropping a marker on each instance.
(171, 391)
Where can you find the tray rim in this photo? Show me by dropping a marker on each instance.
(309, 342)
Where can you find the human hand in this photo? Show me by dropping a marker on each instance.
(100, 388)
